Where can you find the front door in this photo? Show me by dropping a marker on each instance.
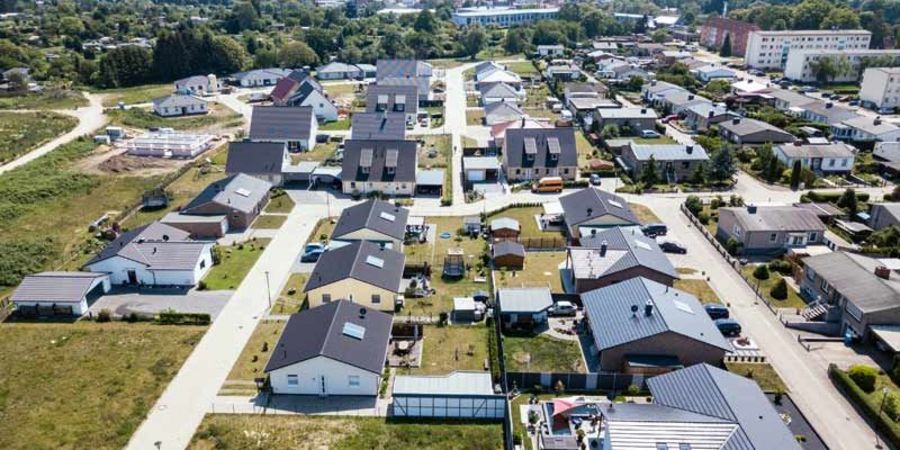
(132, 276)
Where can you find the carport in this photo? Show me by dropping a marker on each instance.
(466, 395)
(430, 182)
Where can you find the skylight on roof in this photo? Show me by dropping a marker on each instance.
(388, 216)
(683, 306)
(614, 203)
(642, 244)
(353, 330)
(375, 261)
(530, 146)
(242, 192)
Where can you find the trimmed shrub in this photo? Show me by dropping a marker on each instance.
(864, 377)
(779, 291)
(761, 272)
(693, 204)
(781, 266)
(177, 318)
(867, 406)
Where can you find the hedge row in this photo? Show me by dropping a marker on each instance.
(177, 318)
(833, 197)
(883, 425)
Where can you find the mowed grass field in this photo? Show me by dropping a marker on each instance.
(84, 385)
(136, 94)
(344, 433)
(21, 132)
(49, 99)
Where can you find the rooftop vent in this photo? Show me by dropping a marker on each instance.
(751, 209)
(648, 308)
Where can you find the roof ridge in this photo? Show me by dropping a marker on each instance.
(337, 309)
(734, 417)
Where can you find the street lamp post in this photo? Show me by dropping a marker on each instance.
(884, 394)
(268, 290)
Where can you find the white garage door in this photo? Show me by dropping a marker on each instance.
(475, 175)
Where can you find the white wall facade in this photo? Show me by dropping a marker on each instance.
(388, 188)
(366, 234)
(118, 268)
(799, 65)
(323, 109)
(172, 111)
(881, 87)
(324, 376)
(827, 164)
(770, 49)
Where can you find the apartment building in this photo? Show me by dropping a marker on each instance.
(770, 49)
(502, 17)
(881, 88)
(800, 65)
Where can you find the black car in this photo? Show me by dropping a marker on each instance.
(673, 247)
(716, 311)
(728, 327)
(655, 229)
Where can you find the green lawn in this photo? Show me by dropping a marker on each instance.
(698, 288)
(136, 94)
(345, 433)
(542, 354)
(657, 141)
(337, 125)
(793, 299)
(643, 213)
(321, 152)
(474, 116)
(269, 221)
(522, 68)
(337, 89)
(323, 230)
(441, 144)
(21, 132)
(253, 358)
(449, 348)
(763, 374)
(291, 299)
(236, 262)
(49, 99)
(218, 115)
(84, 385)
(526, 218)
(280, 204)
(541, 269)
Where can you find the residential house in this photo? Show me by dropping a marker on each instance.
(382, 166)
(509, 254)
(524, 308)
(887, 156)
(390, 71)
(551, 50)
(306, 95)
(493, 76)
(263, 160)
(153, 255)
(502, 112)
(826, 112)
(881, 88)
(883, 215)
(485, 67)
(499, 92)
(835, 157)
(789, 101)
(533, 153)
(198, 85)
(614, 255)
(337, 70)
(716, 28)
(237, 198)
(363, 272)
(179, 105)
(498, 130)
(477, 169)
(59, 293)
(339, 348)
(505, 228)
(769, 230)
(584, 90)
(713, 72)
(289, 85)
(673, 162)
(865, 129)
(613, 69)
(295, 126)
(701, 116)
(859, 293)
(640, 326)
(651, 91)
(374, 221)
(669, 57)
(592, 208)
(393, 98)
(582, 108)
(744, 131)
(676, 102)
(260, 77)
(563, 72)
(388, 126)
(644, 49)
(627, 120)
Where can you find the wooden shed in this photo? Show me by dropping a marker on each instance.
(508, 254)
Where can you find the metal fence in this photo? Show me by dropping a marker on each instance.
(595, 381)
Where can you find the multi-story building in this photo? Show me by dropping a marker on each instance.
(801, 64)
(502, 17)
(881, 88)
(770, 49)
(713, 32)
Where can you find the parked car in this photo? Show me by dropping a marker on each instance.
(649, 134)
(808, 89)
(595, 179)
(853, 103)
(311, 256)
(670, 246)
(728, 327)
(563, 308)
(716, 311)
(670, 118)
(757, 73)
(655, 229)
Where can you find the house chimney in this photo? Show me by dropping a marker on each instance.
(877, 121)
(643, 110)
(603, 246)
(648, 308)
(711, 114)
(883, 272)
(751, 209)
(653, 83)
(690, 97)
(523, 121)
(689, 149)
(736, 120)
(590, 211)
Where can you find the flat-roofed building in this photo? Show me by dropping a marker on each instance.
(770, 49)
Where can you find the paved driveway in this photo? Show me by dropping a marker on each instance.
(122, 302)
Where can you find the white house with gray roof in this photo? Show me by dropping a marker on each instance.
(294, 126)
(260, 77)
(674, 162)
(59, 293)
(179, 105)
(592, 208)
(746, 131)
(641, 326)
(830, 158)
(865, 129)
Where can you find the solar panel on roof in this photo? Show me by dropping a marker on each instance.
(615, 203)
(375, 261)
(391, 157)
(683, 306)
(530, 145)
(553, 145)
(388, 216)
(242, 192)
(365, 157)
(353, 330)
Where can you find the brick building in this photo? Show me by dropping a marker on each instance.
(713, 33)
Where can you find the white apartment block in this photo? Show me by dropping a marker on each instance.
(769, 49)
(799, 66)
(881, 87)
(502, 17)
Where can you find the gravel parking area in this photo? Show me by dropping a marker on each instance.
(123, 301)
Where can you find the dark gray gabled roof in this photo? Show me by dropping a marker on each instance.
(590, 203)
(710, 391)
(352, 169)
(378, 125)
(255, 157)
(376, 215)
(279, 123)
(153, 232)
(636, 250)
(508, 248)
(401, 68)
(392, 94)
(853, 276)
(239, 192)
(515, 147)
(320, 332)
(355, 260)
(612, 322)
(58, 287)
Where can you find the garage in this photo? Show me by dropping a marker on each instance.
(59, 293)
(465, 395)
(475, 175)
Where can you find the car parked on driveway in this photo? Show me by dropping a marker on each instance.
(563, 308)
(670, 246)
(649, 134)
(728, 327)
(655, 229)
(716, 311)
(595, 179)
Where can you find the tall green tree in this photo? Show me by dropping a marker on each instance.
(297, 54)
(126, 66)
(809, 14)
(426, 22)
(650, 172)
(473, 41)
(722, 166)
(795, 175)
(849, 202)
(516, 40)
(725, 50)
(840, 18)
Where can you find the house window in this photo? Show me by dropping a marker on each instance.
(326, 298)
(566, 171)
(292, 380)
(830, 163)
(353, 380)
(202, 263)
(685, 164)
(813, 236)
(376, 299)
(773, 237)
(826, 288)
